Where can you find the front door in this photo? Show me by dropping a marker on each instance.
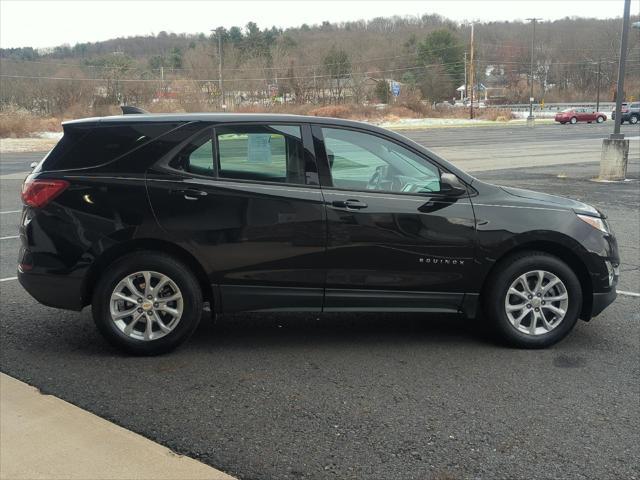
(246, 200)
(395, 241)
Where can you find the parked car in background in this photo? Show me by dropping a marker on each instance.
(146, 217)
(575, 115)
(630, 113)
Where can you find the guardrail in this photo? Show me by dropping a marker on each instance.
(554, 107)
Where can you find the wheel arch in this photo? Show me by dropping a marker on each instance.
(564, 253)
(162, 246)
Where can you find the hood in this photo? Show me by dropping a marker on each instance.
(553, 200)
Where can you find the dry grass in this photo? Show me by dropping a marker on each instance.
(20, 124)
(15, 123)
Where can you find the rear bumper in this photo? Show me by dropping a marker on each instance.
(58, 291)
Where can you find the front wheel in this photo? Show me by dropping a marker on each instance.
(633, 119)
(534, 300)
(573, 120)
(147, 303)
(600, 119)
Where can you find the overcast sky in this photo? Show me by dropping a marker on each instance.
(48, 23)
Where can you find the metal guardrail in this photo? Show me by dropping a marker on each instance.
(554, 107)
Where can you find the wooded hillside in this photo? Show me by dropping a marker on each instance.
(352, 62)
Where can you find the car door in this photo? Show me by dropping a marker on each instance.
(245, 199)
(396, 241)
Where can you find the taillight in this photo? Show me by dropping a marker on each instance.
(37, 193)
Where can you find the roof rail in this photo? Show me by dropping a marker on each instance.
(131, 110)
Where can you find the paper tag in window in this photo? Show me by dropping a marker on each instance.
(259, 148)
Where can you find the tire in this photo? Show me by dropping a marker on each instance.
(178, 325)
(600, 119)
(573, 120)
(496, 300)
(633, 119)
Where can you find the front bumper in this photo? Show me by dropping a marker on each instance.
(602, 301)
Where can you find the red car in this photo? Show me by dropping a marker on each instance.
(575, 115)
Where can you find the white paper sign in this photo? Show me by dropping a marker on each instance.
(259, 148)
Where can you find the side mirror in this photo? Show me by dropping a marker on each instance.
(451, 185)
(33, 165)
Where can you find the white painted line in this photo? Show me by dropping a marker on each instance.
(8, 279)
(11, 211)
(9, 238)
(628, 294)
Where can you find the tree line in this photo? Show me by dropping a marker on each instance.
(323, 63)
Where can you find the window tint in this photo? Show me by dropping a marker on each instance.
(197, 156)
(360, 161)
(87, 146)
(272, 153)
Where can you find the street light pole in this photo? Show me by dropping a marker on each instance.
(621, 67)
(598, 86)
(471, 72)
(615, 149)
(533, 43)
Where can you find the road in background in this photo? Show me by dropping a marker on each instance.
(365, 395)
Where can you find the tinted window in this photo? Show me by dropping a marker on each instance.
(88, 146)
(361, 161)
(197, 156)
(272, 153)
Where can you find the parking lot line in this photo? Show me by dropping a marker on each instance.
(628, 294)
(10, 211)
(8, 279)
(9, 238)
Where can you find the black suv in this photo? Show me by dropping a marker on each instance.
(630, 112)
(148, 217)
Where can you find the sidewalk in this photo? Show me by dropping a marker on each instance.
(43, 437)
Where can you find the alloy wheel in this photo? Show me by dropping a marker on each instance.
(536, 302)
(146, 305)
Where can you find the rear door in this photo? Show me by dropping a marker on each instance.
(245, 199)
(395, 241)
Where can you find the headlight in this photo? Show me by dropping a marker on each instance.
(595, 222)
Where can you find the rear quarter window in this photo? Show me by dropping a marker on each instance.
(90, 146)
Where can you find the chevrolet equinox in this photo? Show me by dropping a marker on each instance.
(148, 217)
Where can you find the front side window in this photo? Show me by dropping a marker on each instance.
(361, 161)
(269, 153)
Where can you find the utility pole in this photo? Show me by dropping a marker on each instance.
(471, 75)
(219, 31)
(530, 118)
(466, 85)
(598, 85)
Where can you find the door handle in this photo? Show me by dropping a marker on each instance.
(349, 204)
(192, 194)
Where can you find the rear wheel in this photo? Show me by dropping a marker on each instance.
(534, 300)
(600, 119)
(147, 303)
(573, 120)
(634, 119)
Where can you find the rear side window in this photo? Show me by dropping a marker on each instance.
(270, 153)
(93, 145)
(196, 156)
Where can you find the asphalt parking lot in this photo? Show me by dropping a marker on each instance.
(367, 396)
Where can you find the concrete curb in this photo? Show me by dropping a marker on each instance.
(45, 437)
